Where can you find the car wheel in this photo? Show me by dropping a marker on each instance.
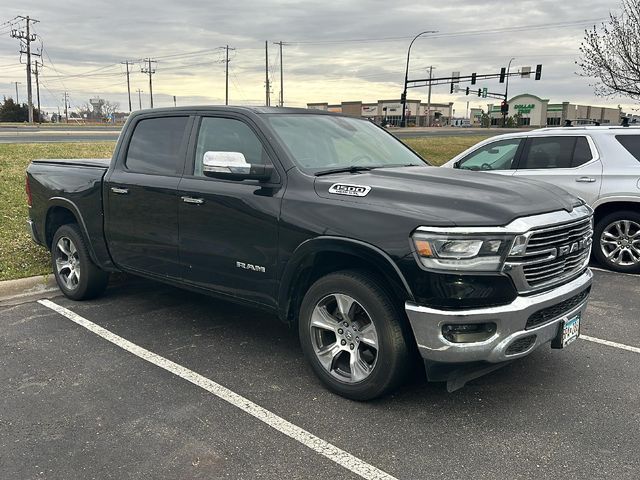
(617, 241)
(77, 276)
(352, 334)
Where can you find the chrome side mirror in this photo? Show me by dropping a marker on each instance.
(233, 166)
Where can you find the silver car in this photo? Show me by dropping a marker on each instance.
(599, 164)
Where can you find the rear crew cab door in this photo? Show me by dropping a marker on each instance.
(140, 194)
(571, 162)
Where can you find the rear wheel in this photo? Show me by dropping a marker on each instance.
(77, 276)
(351, 334)
(617, 241)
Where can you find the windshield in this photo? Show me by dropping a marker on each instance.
(324, 142)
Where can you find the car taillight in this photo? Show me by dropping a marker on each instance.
(27, 189)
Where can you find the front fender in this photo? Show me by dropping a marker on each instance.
(304, 255)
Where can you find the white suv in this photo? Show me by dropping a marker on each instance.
(599, 164)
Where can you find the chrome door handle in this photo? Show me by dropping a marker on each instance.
(121, 191)
(585, 179)
(194, 201)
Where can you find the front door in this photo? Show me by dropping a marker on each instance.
(141, 202)
(229, 229)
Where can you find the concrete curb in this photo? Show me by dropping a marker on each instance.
(25, 287)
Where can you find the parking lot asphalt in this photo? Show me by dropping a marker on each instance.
(74, 405)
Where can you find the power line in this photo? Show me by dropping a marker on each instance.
(519, 28)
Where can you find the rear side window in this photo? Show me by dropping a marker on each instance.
(556, 152)
(155, 145)
(631, 143)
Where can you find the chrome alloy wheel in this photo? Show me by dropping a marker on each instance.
(344, 338)
(67, 263)
(620, 243)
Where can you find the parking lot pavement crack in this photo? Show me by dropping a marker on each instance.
(320, 446)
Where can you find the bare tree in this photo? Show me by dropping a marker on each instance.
(109, 107)
(611, 53)
(84, 110)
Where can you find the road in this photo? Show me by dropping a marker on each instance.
(54, 134)
(133, 385)
(80, 133)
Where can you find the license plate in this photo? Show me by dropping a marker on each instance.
(570, 330)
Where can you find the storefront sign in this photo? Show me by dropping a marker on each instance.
(524, 108)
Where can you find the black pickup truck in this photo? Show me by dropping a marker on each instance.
(333, 224)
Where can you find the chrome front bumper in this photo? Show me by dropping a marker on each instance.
(510, 320)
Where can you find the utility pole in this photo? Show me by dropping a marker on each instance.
(266, 73)
(281, 102)
(429, 97)
(66, 107)
(128, 84)
(17, 98)
(139, 99)
(28, 37)
(36, 64)
(150, 71)
(226, 75)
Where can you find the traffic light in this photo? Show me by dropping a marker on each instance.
(538, 71)
(473, 79)
(451, 87)
(479, 92)
(504, 107)
(503, 74)
(467, 91)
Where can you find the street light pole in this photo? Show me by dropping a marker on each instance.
(403, 97)
(506, 94)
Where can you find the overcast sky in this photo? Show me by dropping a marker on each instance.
(335, 50)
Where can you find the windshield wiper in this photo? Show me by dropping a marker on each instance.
(349, 169)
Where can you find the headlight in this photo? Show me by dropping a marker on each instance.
(477, 252)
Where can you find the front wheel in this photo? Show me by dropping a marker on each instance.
(351, 333)
(617, 241)
(77, 276)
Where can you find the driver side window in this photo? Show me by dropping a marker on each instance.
(493, 156)
(228, 135)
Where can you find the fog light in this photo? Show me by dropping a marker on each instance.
(468, 332)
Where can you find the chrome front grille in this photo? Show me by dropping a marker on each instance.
(552, 254)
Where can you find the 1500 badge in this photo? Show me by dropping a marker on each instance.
(349, 189)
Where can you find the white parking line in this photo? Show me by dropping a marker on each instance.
(610, 344)
(298, 434)
(598, 269)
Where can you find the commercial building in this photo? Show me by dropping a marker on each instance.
(390, 111)
(534, 111)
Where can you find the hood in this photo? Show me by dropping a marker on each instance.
(443, 196)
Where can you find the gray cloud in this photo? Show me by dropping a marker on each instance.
(83, 36)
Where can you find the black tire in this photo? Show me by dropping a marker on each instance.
(88, 281)
(392, 360)
(607, 223)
